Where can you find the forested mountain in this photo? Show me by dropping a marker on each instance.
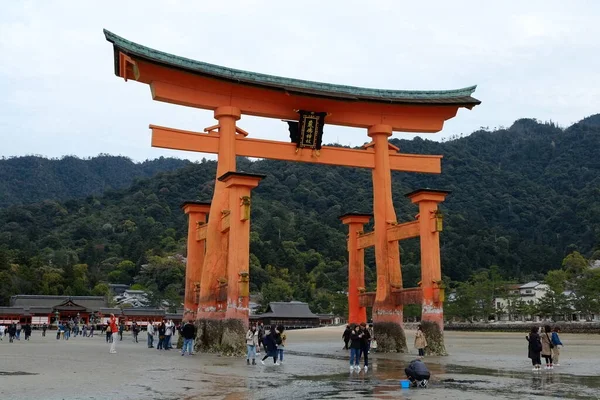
(522, 198)
(30, 179)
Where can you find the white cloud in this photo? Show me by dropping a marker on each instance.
(60, 96)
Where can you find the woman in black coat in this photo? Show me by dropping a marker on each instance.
(534, 348)
(271, 341)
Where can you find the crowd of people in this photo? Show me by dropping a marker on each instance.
(359, 339)
(272, 340)
(544, 342)
(13, 331)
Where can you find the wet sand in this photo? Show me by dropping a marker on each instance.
(480, 366)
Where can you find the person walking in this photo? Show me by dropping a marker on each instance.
(261, 337)
(251, 343)
(161, 336)
(168, 334)
(271, 341)
(364, 345)
(108, 331)
(556, 342)
(355, 337)
(135, 330)
(92, 327)
(114, 329)
(420, 341)
(534, 348)
(12, 332)
(67, 329)
(346, 337)
(188, 331)
(547, 347)
(150, 334)
(44, 328)
(121, 329)
(19, 328)
(84, 330)
(2, 330)
(281, 345)
(27, 330)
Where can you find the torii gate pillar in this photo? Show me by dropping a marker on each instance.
(387, 315)
(197, 213)
(430, 226)
(356, 266)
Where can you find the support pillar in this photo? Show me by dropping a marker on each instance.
(214, 269)
(212, 307)
(387, 316)
(197, 213)
(430, 226)
(356, 266)
(235, 324)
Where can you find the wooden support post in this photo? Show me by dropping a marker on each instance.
(197, 212)
(214, 270)
(238, 256)
(386, 313)
(432, 315)
(356, 266)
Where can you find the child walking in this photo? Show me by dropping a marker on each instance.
(534, 349)
(556, 342)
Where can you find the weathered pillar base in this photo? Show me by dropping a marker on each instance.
(224, 336)
(388, 331)
(435, 339)
(390, 337)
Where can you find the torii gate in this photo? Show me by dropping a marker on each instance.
(218, 250)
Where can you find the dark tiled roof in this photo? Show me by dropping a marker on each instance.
(460, 97)
(143, 311)
(90, 302)
(292, 309)
(12, 311)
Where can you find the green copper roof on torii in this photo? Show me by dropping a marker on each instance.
(461, 97)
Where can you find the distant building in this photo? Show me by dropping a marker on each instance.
(135, 298)
(117, 288)
(40, 309)
(292, 315)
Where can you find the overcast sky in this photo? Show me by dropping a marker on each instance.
(59, 95)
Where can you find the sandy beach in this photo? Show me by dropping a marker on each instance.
(480, 366)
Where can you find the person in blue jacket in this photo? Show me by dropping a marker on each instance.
(556, 342)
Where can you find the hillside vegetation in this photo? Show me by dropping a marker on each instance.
(522, 199)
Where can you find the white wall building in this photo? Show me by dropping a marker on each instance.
(529, 293)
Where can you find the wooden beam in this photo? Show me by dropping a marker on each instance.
(366, 240)
(225, 222)
(177, 87)
(403, 231)
(201, 233)
(178, 139)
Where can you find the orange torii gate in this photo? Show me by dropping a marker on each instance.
(217, 273)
